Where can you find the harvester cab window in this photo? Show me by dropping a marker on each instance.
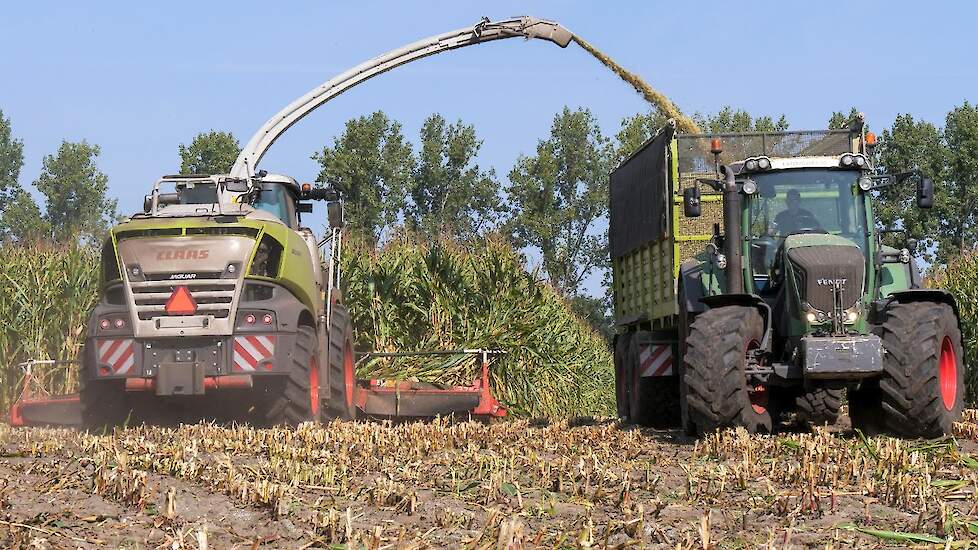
(275, 199)
(197, 193)
(802, 201)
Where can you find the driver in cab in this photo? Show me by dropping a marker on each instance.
(794, 218)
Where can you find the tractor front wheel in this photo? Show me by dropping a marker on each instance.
(922, 387)
(718, 396)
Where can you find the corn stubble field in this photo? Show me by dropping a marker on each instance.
(503, 485)
(510, 484)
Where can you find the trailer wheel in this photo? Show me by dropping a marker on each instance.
(819, 405)
(922, 386)
(622, 375)
(653, 400)
(341, 375)
(104, 404)
(293, 398)
(718, 395)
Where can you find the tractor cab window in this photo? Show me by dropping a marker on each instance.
(276, 200)
(802, 201)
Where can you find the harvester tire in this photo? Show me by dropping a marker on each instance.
(104, 404)
(715, 371)
(922, 386)
(341, 375)
(653, 400)
(819, 405)
(622, 374)
(294, 398)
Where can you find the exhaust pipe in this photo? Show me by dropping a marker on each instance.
(732, 236)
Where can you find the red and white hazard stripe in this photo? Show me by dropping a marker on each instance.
(118, 353)
(249, 351)
(655, 360)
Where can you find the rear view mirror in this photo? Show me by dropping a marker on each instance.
(334, 213)
(691, 202)
(925, 193)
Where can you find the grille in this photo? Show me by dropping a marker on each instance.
(815, 266)
(213, 295)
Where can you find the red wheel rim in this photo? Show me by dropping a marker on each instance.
(314, 387)
(947, 367)
(758, 395)
(348, 374)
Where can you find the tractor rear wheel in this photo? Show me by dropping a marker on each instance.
(819, 405)
(717, 392)
(622, 375)
(653, 400)
(341, 371)
(922, 386)
(295, 398)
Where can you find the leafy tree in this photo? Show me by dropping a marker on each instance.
(840, 121)
(75, 189)
(22, 220)
(371, 165)
(911, 144)
(11, 161)
(209, 153)
(636, 130)
(558, 197)
(450, 194)
(958, 222)
(728, 120)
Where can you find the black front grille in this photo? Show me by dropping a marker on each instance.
(817, 267)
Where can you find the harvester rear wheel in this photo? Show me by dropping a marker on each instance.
(653, 400)
(341, 375)
(622, 375)
(295, 398)
(922, 386)
(104, 404)
(715, 371)
(819, 405)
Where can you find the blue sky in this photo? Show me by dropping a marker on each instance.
(138, 78)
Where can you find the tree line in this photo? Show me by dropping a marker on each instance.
(553, 201)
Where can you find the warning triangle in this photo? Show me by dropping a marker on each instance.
(181, 302)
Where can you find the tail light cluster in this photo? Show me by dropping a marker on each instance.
(112, 323)
(257, 320)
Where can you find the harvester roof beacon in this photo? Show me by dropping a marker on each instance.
(751, 281)
(226, 292)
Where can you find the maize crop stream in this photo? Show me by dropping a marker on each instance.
(502, 485)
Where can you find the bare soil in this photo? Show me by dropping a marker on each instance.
(503, 485)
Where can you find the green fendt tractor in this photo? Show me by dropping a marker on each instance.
(751, 281)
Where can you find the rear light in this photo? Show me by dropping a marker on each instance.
(250, 319)
(119, 323)
(104, 324)
(267, 319)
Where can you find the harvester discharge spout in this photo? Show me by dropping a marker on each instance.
(483, 31)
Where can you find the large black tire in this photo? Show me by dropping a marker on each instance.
(104, 404)
(341, 373)
(622, 375)
(819, 405)
(653, 400)
(715, 363)
(922, 387)
(294, 398)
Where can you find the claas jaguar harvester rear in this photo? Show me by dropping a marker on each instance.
(751, 283)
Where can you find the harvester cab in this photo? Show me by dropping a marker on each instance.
(784, 295)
